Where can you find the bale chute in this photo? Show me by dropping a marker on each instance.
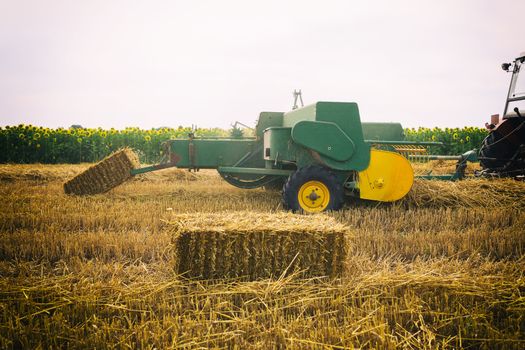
(105, 175)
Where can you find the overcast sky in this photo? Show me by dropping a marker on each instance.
(124, 63)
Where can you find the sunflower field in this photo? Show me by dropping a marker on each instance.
(455, 140)
(34, 144)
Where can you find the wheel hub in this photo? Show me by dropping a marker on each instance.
(313, 196)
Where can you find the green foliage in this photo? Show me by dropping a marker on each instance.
(455, 140)
(236, 133)
(32, 144)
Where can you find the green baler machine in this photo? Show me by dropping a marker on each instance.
(317, 154)
(320, 153)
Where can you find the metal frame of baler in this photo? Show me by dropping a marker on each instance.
(170, 160)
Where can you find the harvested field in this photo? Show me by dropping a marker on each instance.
(442, 167)
(468, 193)
(434, 271)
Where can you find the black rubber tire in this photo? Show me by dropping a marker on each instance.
(312, 173)
(490, 156)
(496, 149)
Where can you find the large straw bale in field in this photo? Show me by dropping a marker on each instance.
(253, 246)
(105, 175)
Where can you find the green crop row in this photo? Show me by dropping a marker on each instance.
(32, 144)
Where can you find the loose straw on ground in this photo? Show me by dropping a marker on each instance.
(466, 193)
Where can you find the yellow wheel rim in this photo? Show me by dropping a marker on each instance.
(313, 196)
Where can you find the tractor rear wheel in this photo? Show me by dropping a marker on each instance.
(313, 189)
(499, 150)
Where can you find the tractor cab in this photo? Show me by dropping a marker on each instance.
(516, 94)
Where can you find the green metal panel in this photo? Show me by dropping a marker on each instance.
(332, 129)
(383, 131)
(255, 171)
(210, 154)
(346, 116)
(266, 120)
(325, 138)
(277, 143)
(298, 115)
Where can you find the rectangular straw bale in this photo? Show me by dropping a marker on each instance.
(105, 175)
(253, 246)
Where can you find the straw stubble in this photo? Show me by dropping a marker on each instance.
(469, 193)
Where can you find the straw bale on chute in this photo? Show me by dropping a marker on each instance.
(105, 175)
(253, 246)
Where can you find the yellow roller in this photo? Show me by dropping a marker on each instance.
(389, 177)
